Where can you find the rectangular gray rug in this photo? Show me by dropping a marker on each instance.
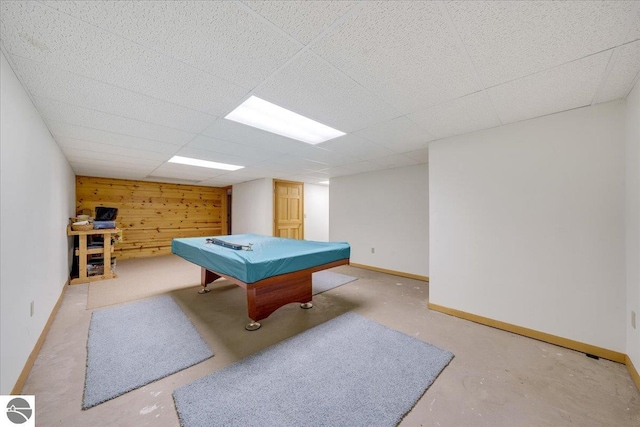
(348, 371)
(324, 280)
(137, 343)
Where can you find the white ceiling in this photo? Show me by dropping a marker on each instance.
(123, 86)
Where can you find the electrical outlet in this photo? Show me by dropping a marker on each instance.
(633, 319)
(31, 308)
(373, 250)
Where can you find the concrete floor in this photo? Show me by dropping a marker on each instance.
(496, 378)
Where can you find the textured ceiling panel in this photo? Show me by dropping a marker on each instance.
(394, 161)
(235, 132)
(399, 135)
(562, 88)
(634, 31)
(174, 170)
(462, 115)
(70, 114)
(356, 147)
(302, 20)
(509, 39)
(226, 147)
(83, 169)
(114, 158)
(322, 155)
(221, 38)
(53, 83)
(40, 33)
(65, 130)
(404, 51)
(312, 88)
(105, 149)
(624, 69)
(421, 156)
(146, 79)
(213, 156)
(354, 168)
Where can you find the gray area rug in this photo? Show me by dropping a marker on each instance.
(348, 371)
(324, 280)
(137, 343)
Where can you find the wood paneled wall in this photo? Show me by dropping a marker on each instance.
(151, 214)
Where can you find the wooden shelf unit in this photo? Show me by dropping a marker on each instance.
(82, 253)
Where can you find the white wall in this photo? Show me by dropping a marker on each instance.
(527, 224)
(386, 210)
(252, 207)
(632, 156)
(316, 211)
(37, 198)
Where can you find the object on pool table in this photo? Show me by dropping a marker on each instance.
(275, 273)
(247, 247)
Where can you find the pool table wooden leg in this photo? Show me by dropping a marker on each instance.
(206, 277)
(265, 299)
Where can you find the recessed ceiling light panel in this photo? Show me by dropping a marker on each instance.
(264, 115)
(203, 163)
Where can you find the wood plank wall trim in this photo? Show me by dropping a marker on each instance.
(22, 378)
(152, 214)
(531, 333)
(392, 272)
(632, 370)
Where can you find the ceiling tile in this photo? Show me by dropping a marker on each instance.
(63, 130)
(101, 164)
(174, 170)
(311, 87)
(213, 156)
(105, 157)
(71, 114)
(625, 66)
(69, 144)
(53, 83)
(467, 114)
(354, 168)
(404, 52)
(322, 155)
(394, 161)
(302, 20)
(507, 39)
(220, 38)
(226, 147)
(562, 88)
(167, 179)
(356, 147)
(40, 33)
(399, 135)
(634, 32)
(82, 169)
(242, 134)
(421, 156)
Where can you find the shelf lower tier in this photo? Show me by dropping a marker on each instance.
(78, 280)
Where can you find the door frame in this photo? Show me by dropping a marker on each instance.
(275, 206)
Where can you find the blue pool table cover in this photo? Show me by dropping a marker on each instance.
(271, 256)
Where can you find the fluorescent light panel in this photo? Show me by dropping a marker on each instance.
(203, 163)
(324, 182)
(264, 115)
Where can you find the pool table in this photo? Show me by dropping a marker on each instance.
(274, 271)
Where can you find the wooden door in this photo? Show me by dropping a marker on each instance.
(288, 203)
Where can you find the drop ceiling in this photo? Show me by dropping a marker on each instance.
(124, 86)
